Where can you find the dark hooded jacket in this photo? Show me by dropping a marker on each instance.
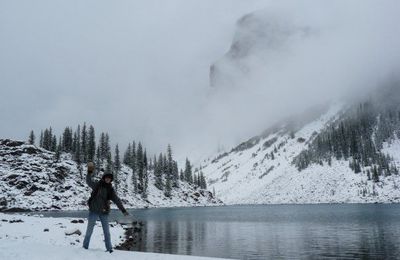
(102, 193)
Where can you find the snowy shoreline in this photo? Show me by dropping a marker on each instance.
(35, 237)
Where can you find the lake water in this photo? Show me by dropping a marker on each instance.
(346, 231)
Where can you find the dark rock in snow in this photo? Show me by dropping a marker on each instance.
(21, 184)
(16, 221)
(30, 150)
(75, 221)
(11, 143)
(73, 232)
(3, 202)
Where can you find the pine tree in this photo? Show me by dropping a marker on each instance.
(145, 182)
(133, 165)
(171, 168)
(117, 167)
(165, 166)
(103, 147)
(158, 174)
(77, 154)
(107, 151)
(133, 156)
(375, 176)
(203, 182)
(84, 143)
(117, 161)
(74, 143)
(41, 139)
(109, 166)
(31, 139)
(168, 187)
(91, 149)
(134, 180)
(54, 143)
(98, 159)
(46, 139)
(128, 155)
(67, 140)
(188, 172)
(77, 141)
(195, 180)
(175, 174)
(145, 175)
(139, 167)
(145, 161)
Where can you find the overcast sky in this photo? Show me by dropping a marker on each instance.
(140, 69)
(132, 68)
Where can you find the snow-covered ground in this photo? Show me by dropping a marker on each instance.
(31, 179)
(39, 238)
(252, 176)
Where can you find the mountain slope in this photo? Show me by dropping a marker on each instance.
(31, 179)
(265, 171)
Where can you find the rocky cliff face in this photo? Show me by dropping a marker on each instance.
(259, 36)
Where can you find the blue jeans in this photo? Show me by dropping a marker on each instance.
(106, 229)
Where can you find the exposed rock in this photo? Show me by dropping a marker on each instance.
(3, 202)
(30, 150)
(75, 221)
(73, 232)
(16, 221)
(11, 143)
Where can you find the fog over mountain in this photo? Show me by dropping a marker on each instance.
(142, 70)
(290, 57)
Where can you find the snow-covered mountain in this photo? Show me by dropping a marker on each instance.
(31, 179)
(346, 154)
(341, 152)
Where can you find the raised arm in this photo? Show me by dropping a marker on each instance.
(89, 180)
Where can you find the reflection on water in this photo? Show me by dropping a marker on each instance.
(352, 231)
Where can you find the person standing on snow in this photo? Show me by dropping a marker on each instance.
(99, 206)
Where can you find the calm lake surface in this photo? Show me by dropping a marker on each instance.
(327, 231)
